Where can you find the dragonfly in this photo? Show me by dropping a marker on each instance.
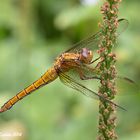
(78, 59)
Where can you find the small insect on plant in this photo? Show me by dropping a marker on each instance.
(78, 59)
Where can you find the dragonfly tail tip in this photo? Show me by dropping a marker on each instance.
(1, 110)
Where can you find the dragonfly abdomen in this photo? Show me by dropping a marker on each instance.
(48, 77)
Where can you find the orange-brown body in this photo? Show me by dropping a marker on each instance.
(63, 63)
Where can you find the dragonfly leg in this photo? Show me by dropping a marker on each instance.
(89, 69)
(94, 60)
(98, 64)
(80, 70)
(84, 77)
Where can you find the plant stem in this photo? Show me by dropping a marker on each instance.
(107, 68)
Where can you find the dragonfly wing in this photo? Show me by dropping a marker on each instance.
(123, 24)
(70, 82)
(81, 88)
(126, 86)
(92, 41)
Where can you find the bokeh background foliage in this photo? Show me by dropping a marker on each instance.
(32, 34)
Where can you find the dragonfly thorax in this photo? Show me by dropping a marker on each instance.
(86, 55)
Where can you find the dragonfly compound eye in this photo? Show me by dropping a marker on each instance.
(85, 52)
(86, 55)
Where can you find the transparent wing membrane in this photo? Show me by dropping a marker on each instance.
(126, 86)
(92, 41)
(81, 88)
(123, 24)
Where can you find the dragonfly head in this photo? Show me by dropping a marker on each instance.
(86, 55)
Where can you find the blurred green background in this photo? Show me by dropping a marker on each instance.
(32, 34)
